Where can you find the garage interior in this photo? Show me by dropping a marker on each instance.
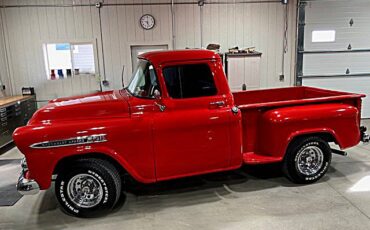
(62, 48)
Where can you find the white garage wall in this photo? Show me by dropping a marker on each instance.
(4, 79)
(243, 25)
(254, 25)
(121, 30)
(27, 28)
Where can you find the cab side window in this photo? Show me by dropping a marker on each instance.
(188, 81)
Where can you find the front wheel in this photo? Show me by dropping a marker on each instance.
(88, 187)
(307, 160)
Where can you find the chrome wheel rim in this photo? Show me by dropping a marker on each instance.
(310, 160)
(85, 190)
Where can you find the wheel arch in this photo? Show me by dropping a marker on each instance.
(67, 160)
(325, 134)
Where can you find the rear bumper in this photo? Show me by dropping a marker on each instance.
(26, 186)
(365, 137)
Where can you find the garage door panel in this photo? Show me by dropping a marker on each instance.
(336, 15)
(334, 11)
(336, 63)
(344, 36)
(353, 84)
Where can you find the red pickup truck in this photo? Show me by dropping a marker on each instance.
(178, 118)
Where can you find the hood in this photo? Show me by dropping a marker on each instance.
(93, 106)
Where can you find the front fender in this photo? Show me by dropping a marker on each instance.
(124, 137)
(42, 171)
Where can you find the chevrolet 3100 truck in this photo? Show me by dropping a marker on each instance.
(178, 118)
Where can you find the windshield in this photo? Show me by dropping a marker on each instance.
(144, 81)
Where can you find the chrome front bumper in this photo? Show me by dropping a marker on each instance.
(365, 137)
(26, 186)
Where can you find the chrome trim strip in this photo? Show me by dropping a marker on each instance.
(81, 140)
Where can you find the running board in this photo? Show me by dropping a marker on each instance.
(251, 158)
(339, 152)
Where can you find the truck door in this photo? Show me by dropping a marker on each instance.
(191, 134)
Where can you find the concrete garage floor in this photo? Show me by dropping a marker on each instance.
(252, 198)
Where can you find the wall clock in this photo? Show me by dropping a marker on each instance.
(147, 21)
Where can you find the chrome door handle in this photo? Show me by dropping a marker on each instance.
(217, 103)
(161, 107)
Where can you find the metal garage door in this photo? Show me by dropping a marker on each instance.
(334, 46)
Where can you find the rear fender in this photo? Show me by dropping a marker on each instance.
(278, 127)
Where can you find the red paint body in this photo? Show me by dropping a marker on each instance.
(190, 136)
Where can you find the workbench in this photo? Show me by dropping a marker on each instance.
(15, 111)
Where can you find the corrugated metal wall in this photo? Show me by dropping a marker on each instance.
(121, 30)
(4, 77)
(245, 25)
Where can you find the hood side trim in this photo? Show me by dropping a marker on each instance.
(80, 140)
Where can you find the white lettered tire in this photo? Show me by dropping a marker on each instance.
(88, 187)
(307, 160)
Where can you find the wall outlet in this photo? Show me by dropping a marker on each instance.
(281, 77)
(105, 83)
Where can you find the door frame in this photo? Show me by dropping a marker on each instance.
(132, 47)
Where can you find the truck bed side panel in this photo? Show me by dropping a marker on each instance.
(275, 128)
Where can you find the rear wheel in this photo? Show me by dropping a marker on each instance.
(307, 160)
(88, 187)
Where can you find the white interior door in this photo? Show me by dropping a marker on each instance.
(137, 50)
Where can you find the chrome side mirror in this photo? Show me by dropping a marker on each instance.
(158, 98)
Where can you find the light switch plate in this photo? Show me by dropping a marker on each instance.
(281, 77)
